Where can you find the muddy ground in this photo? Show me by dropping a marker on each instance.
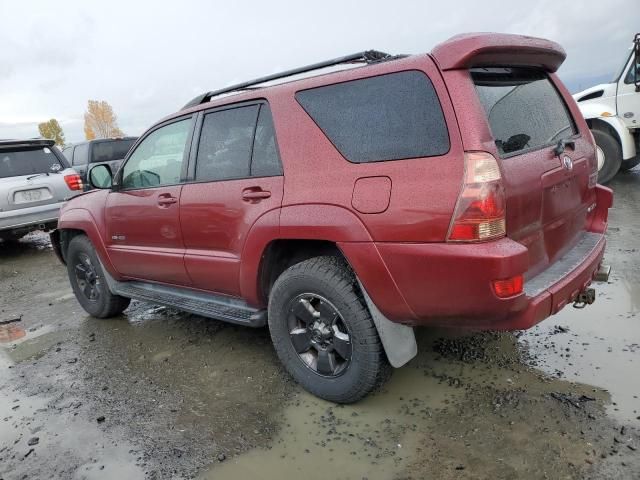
(160, 394)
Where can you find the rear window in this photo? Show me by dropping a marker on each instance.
(29, 161)
(389, 117)
(524, 109)
(110, 150)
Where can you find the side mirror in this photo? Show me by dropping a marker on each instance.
(101, 177)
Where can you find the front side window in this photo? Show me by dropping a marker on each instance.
(389, 117)
(633, 75)
(524, 109)
(224, 151)
(158, 159)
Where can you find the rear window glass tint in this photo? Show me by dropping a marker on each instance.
(388, 117)
(110, 150)
(29, 162)
(524, 109)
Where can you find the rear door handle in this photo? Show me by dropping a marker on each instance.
(165, 200)
(253, 194)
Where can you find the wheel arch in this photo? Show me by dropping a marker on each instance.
(614, 127)
(78, 221)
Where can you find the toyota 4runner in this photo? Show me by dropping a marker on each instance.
(346, 207)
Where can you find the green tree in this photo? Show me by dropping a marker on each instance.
(53, 131)
(100, 121)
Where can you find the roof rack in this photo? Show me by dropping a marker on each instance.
(368, 56)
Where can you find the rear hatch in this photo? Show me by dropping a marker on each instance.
(548, 167)
(31, 175)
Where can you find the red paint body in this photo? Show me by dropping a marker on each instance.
(389, 219)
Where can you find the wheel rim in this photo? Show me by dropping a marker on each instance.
(87, 278)
(600, 157)
(319, 335)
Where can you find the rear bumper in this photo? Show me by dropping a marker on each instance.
(450, 285)
(32, 216)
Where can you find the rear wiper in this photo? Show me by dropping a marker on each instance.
(38, 175)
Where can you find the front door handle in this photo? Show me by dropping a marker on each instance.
(255, 194)
(166, 199)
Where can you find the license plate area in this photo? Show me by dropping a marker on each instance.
(31, 196)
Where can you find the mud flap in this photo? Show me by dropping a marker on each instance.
(398, 340)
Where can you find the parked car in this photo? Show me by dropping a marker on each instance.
(456, 188)
(35, 180)
(110, 151)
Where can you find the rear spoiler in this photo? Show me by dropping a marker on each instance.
(498, 49)
(39, 142)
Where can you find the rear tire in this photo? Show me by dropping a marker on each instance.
(611, 153)
(87, 280)
(323, 332)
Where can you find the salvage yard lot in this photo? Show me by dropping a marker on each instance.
(158, 393)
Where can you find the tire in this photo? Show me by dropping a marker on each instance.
(630, 163)
(612, 155)
(329, 287)
(87, 281)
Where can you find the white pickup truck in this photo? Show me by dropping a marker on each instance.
(612, 111)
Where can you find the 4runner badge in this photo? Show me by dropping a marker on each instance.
(567, 163)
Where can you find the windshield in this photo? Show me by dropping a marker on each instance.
(110, 150)
(28, 161)
(620, 70)
(524, 109)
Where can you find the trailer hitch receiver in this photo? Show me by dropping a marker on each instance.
(584, 298)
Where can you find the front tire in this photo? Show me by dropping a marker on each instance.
(323, 332)
(87, 281)
(609, 155)
(630, 163)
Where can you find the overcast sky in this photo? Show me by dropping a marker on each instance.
(147, 59)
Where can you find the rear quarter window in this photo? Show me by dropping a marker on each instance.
(388, 117)
(524, 109)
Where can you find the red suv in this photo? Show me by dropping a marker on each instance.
(347, 207)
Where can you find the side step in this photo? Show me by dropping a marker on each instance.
(220, 307)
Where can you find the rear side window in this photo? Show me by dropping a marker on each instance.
(224, 151)
(107, 151)
(265, 161)
(29, 161)
(389, 117)
(524, 109)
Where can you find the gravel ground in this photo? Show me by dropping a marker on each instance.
(158, 394)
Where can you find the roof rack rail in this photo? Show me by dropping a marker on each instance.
(368, 56)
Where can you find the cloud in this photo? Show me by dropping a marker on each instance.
(149, 58)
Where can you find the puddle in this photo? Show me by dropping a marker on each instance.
(372, 439)
(601, 346)
(37, 428)
(464, 402)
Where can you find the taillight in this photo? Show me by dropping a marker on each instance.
(508, 287)
(480, 210)
(74, 182)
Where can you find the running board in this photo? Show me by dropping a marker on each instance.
(220, 307)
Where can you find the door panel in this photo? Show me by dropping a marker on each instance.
(216, 218)
(144, 236)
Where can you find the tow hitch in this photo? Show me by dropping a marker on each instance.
(584, 298)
